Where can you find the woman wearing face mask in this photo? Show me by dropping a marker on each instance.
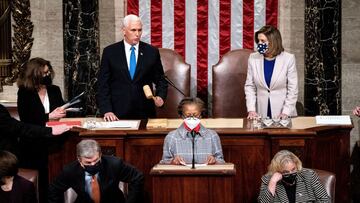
(14, 188)
(38, 99)
(38, 102)
(178, 143)
(271, 86)
(288, 181)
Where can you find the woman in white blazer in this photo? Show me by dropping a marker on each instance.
(271, 86)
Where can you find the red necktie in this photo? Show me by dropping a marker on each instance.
(95, 189)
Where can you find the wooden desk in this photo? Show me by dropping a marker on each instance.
(181, 184)
(320, 147)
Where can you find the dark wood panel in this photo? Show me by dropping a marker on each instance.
(144, 153)
(251, 157)
(194, 189)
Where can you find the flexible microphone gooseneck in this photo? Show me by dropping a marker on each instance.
(193, 134)
(173, 85)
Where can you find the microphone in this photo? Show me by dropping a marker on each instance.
(173, 85)
(193, 134)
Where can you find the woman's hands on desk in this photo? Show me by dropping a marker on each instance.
(178, 160)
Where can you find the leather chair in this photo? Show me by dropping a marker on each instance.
(31, 175)
(328, 180)
(178, 72)
(229, 76)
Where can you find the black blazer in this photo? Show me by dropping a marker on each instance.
(113, 171)
(23, 191)
(30, 107)
(12, 129)
(119, 94)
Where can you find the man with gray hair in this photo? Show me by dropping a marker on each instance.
(95, 178)
(126, 67)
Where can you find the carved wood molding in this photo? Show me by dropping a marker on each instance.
(22, 39)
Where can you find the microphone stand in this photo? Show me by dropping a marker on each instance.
(173, 85)
(193, 134)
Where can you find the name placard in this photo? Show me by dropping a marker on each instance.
(333, 120)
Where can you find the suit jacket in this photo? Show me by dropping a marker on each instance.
(112, 172)
(23, 191)
(119, 94)
(30, 108)
(308, 189)
(12, 129)
(283, 90)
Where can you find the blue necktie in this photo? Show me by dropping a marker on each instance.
(132, 62)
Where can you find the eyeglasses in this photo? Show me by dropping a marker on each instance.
(47, 73)
(192, 116)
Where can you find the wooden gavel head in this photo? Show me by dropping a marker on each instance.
(148, 92)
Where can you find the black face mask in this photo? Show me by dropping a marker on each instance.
(289, 178)
(46, 80)
(93, 169)
(1, 181)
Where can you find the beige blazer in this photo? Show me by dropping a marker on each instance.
(283, 90)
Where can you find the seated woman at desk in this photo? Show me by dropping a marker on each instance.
(288, 181)
(14, 188)
(178, 143)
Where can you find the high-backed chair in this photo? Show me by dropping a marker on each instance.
(229, 76)
(328, 180)
(178, 72)
(31, 175)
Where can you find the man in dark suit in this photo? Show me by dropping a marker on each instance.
(126, 67)
(95, 178)
(12, 129)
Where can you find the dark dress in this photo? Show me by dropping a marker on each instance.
(23, 191)
(34, 152)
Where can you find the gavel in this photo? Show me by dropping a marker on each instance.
(148, 93)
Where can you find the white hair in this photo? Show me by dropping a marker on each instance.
(87, 148)
(130, 18)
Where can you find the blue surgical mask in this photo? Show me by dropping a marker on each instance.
(262, 48)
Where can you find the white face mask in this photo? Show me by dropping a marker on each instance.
(192, 122)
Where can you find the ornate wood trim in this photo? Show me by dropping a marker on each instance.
(22, 39)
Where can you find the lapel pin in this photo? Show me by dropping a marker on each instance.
(141, 53)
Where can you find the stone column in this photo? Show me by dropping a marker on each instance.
(322, 57)
(81, 50)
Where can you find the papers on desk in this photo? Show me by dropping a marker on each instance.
(196, 165)
(208, 123)
(123, 124)
(333, 120)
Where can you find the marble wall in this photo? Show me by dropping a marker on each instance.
(322, 57)
(81, 50)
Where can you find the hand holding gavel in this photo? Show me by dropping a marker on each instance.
(149, 95)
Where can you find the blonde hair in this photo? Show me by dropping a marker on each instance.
(281, 159)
